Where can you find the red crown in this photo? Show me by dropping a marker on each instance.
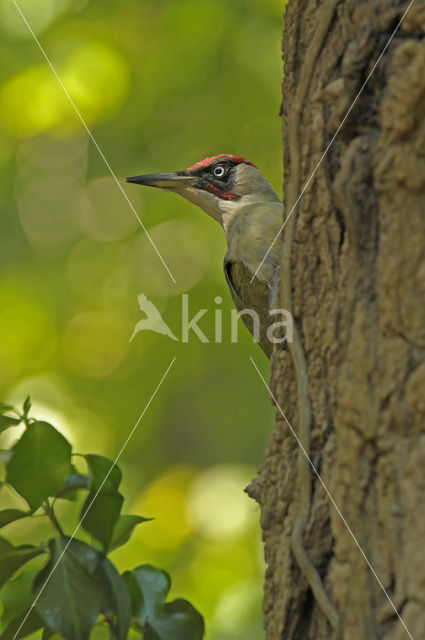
(208, 161)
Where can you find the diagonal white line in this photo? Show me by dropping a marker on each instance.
(130, 435)
(102, 155)
(331, 499)
(332, 139)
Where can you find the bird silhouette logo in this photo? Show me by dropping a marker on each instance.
(153, 320)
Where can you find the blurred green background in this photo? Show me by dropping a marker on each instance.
(161, 84)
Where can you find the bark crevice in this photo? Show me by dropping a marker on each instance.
(351, 385)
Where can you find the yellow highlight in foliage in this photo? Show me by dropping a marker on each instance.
(217, 504)
(165, 500)
(31, 102)
(95, 76)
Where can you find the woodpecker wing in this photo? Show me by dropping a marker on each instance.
(247, 295)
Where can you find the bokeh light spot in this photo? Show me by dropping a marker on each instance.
(104, 214)
(95, 343)
(107, 269)
(31, 102)
(217, 505)
(165, 500)
(39, 13)
(96, 76)
(50, 176)
(185, 249)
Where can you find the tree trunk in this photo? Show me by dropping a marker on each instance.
(352, 383)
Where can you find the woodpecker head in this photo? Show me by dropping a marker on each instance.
(218, 185)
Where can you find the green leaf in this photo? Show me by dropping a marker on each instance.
(101, 468)
(6, 407)
(134, 592)
(11, 558)
(40, 463)
(116, 601)
(7, 421)
(102, 508)
(27, 405)
(32, 623)
(100, 513)
(76, 482)
(11, 515)
(179, 621)
(70, 592)
(17, 596)
(123, 529)
(154, 585)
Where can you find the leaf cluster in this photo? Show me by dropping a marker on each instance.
(78, 587)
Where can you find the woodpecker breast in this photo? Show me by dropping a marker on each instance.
(250, 233)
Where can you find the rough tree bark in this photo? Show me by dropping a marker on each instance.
(352, 384)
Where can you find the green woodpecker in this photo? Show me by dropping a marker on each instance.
(234, 192)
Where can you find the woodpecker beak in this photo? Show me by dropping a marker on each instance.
(165, 180)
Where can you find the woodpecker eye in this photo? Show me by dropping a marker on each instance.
(219, 171)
